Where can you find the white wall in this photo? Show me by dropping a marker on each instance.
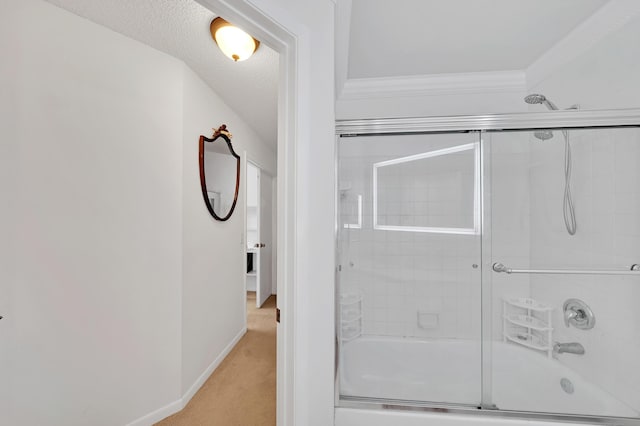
(97, 196)
(603, 77)
(213, 262)
(8, 153)
(122, 290)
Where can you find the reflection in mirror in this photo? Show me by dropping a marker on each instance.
(434, 191)
(219, 173)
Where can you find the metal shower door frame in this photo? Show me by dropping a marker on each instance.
(522, 122)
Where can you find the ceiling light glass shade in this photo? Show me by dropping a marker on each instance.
(234, 43)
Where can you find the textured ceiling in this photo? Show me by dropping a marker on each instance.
(420, 37)
(180, 28)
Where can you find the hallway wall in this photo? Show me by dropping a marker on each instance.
(95, 138)
(97, 246)
(213, 265)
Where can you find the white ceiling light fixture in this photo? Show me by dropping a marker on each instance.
(234, 43)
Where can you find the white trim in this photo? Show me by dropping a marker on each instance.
(377, 417)
(475, 146)
(179, 404)
(245, 245)
(434, 84)
(286, 258)
(211, 368)
(608, 19)
(426, 229)
(428, 154)
(342, 25)
(159, 414)
(359, 224)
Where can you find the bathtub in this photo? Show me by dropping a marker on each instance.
(449, 371)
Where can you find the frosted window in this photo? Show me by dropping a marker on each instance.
(435, 191)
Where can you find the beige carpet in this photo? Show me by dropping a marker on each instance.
(242, 390)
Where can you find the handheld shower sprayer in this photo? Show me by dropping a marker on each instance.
(567, 206)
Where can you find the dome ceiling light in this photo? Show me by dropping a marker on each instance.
(234, 43)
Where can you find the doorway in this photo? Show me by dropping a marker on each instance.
(260, 227)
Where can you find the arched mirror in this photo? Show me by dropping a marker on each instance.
(219, 173)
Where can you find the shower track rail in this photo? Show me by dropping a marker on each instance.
(500, 268)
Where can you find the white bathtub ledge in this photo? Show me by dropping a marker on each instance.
(358, 417)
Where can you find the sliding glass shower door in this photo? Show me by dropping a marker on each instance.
(565, 236)
(409, 278)
(493, 271)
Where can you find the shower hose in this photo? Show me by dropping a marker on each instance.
(567, 207)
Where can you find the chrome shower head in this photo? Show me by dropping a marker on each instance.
(537, 98)
(543, 135)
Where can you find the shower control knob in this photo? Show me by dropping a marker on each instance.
(578, 314)
(474, 266)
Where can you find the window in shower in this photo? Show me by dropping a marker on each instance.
(433, 191)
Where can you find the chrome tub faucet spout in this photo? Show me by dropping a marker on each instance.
(571, 348)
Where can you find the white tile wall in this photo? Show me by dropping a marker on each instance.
(607, 202)
(508, 208)
(400, 273)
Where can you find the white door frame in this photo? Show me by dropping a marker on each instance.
(290, 112)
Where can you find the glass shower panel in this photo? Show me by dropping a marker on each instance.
(409, 281)
(564, 211)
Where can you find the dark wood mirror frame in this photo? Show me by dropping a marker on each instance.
(223, 133)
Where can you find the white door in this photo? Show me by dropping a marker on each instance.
(264, 238)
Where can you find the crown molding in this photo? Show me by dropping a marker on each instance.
(608, 19)
(434, 85)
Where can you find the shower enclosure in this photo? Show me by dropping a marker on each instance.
(468, 283)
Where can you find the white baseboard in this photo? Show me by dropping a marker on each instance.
(158, 415)
(175, 406)
(211, 368)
